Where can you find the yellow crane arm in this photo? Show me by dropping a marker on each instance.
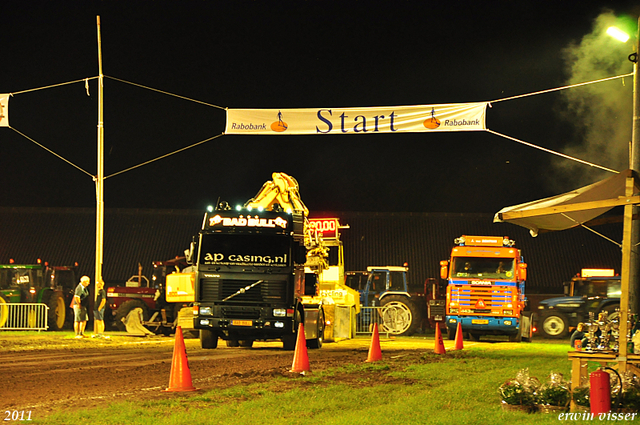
(282, 190)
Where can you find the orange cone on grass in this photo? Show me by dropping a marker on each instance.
(180, 378)
(439, 348)
(459, 343)
(300, 357)
(375, 353)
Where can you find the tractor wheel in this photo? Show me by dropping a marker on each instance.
(612, 314)
(125, 308)
(399, 315)
(555, 325)
(57, 311)
(317, 342)
(4, 311)
(208, 339)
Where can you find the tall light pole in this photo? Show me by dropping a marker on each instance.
(629, 299)
(100, 176)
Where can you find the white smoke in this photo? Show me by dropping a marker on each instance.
(601, 113)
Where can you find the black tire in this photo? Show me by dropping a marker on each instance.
(400, 316)
(517, 337)
(289, 341)
(554, 325)
(126, 308)
(208, 339)
(57, 310)
(317, 342)
(245, 343)
(4, 311)
(451, 334)
(527, 323)
(474, 336)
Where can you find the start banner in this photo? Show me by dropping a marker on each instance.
(4, 110)
(386, 119)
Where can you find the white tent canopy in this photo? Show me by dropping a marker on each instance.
(570, 209)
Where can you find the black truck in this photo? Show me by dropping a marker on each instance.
(250, 280)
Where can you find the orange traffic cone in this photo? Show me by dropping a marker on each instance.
(374, 349)
(180, 379)
(459, 344)
(439, 349)
(300, 357)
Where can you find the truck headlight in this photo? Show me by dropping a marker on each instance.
(507, 322)
(206, 311)
(541, 307)
(278, 325)
(204, 322)
(453, 310)
(508, 312)
(279, 312)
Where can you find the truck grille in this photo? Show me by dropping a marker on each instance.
(481, 300)
(269, 291)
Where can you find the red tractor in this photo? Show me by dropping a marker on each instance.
(157, 315)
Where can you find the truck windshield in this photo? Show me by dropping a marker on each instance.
(485, 268)
(250, 250)
(606, 288)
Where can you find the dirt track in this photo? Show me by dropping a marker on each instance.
(68, 373)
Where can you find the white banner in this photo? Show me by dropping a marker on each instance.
(387, 119)
(4, 110)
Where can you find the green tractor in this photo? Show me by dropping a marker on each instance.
(39, 283)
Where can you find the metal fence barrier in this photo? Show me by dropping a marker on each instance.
(366, 319)
(24, 316)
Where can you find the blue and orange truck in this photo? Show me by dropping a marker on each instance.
(486, 289)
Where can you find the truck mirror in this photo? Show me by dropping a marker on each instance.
(522, 268)
(444, 269)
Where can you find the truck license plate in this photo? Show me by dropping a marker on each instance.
(242, 323)
(479, 321)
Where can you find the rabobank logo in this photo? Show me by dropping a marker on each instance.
(433, 122)
(279, 126)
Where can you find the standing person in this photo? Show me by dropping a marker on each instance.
(98, 311)
(80, 303)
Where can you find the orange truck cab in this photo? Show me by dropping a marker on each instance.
(485, 288)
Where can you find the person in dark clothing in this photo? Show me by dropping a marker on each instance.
(80, 304)
(578, 335)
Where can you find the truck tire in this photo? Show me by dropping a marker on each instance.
(317, 342)
(400, 316)
(289, 341)
(57, 310)
(451, 333)
(527, 326)
(4, 311)
(124, 310)
(517, 337)
(208, 339)
(555, 325)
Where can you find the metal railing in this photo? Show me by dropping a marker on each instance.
(366, 319)
(24, 316)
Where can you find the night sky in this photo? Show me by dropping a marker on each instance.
(303, 54)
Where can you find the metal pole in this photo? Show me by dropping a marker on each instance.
(634, 266)
(100, 176)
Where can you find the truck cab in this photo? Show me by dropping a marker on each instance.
(591, 291)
